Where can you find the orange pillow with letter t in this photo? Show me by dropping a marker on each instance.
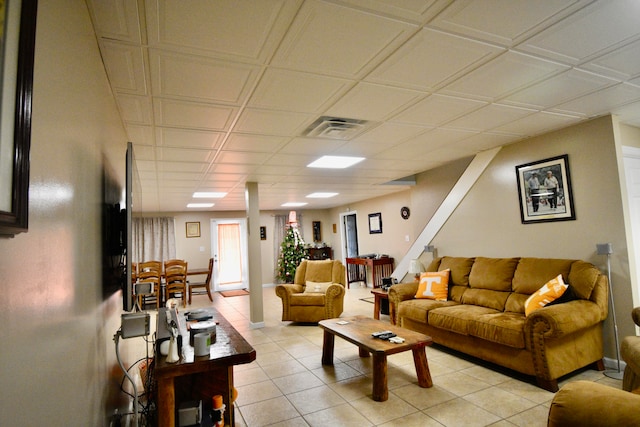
(434, 285)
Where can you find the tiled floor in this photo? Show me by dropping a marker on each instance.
(288, 386)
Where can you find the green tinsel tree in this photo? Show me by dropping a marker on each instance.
(292, 252)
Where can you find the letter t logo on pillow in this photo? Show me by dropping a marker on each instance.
(434, 285)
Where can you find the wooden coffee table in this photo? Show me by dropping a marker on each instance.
(358, 331)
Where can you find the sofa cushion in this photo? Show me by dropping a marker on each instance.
(515, 302)
(319, 271)
(417, 309)
(502, 328)
(434, 285)
(486, 298)
(307, 299)
(583, 278)
(456, 318)
(531, 273)
(460, 269)
(493, 273)
(549, 292)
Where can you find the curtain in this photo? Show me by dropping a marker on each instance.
(154, 239)
(279, 230)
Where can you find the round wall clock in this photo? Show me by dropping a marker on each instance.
(405, 212)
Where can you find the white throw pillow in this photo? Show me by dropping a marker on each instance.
(317, 287)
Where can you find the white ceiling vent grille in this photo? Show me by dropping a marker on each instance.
(335, 128)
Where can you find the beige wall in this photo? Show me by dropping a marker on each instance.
(57, 347)
(487, 221)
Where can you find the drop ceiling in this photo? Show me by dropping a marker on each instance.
(214, 94)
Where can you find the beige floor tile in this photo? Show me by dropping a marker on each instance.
(417, 419)
(423, 398)
(460, 412)
(381, 412)
(257, 392)
(294, 422)
(487, 375)
(268, 412)
(289, 367)
(342, 415)
(460, 384)
(249, 376)
(534, 417)
(336, 372)
(297, 382)
(502, 403)
(528, 391)
(354, 388)
(315, 399)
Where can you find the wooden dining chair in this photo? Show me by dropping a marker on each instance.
(206, 284)
(175, 276)
(149, 272)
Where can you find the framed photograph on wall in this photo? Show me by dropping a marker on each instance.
(17, 41)
(544, 189)
(375, 223)
(193, 229)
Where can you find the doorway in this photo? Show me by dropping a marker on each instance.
(632, 175)
(230, 254)
(349, 235)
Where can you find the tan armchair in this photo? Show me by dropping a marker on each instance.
(585, 403)
(316, 294)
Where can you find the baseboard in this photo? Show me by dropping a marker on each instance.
(610, 363)
(256, 325)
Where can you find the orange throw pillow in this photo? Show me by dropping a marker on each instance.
(551, 291)
(434, 285)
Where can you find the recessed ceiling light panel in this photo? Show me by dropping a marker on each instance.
(200, 205)
(208, 195)
(320, 195)
(293, 204)
(335, 162)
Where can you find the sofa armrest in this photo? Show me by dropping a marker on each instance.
(402, 292)
(586, 403)
(562, 319)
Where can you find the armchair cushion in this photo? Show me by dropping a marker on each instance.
(316, 287)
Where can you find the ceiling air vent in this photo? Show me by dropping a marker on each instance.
(335, 128)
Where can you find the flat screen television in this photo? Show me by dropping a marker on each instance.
(127, 285)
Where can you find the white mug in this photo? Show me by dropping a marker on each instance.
(201, 343)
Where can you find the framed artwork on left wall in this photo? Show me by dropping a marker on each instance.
(193, 229)
(17, 42)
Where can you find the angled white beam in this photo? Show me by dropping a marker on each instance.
(448, 206)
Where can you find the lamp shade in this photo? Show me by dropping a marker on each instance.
(415, 267)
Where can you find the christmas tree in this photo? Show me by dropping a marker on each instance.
(292, 252)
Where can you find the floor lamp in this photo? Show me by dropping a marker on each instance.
(607, 249)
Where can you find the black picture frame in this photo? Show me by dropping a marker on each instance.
(317, 231)
(14, 213)
(375, 223)
(263, 232)
(544, 204)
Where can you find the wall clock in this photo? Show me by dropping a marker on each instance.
(405, 212)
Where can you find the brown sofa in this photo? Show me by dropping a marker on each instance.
(484, 314)
(316, 294)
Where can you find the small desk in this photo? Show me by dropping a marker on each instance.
(379, 295)
(200, 378)
(358, 331)
(357, 270)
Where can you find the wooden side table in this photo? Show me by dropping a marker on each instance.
(379, 295)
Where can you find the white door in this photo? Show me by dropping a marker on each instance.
(632, 174)
(229, 246)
